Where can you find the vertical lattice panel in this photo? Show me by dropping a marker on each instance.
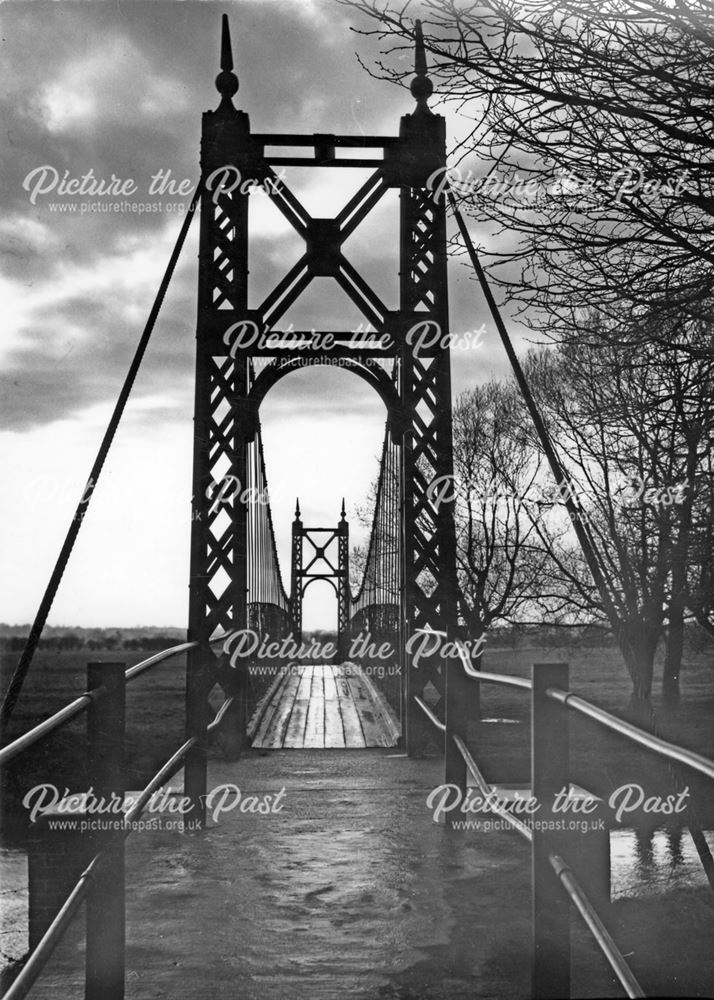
(428, 529)
(222, 427)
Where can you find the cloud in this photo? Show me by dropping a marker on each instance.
(94, 89)
(118, 88)
(76, 333)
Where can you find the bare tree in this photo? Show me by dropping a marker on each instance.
(700, 597)
(591, 145)
(499, 558)
(588, 154)
(686, 404)
(633, 428)
(496, 474)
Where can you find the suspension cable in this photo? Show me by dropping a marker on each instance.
(18, 677)
(587, 544)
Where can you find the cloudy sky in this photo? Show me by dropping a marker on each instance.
(119, 88)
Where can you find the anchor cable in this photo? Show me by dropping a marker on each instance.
(18, 678)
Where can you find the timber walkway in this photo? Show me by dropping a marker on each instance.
(321, 706)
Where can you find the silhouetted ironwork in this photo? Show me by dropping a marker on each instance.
(410, 576)
(325, 557)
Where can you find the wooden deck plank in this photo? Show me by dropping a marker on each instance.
(364, 705)
(272, 737)
(354, 735)
(334, 731)
(273, 700)
(387, 721)
(319, 705)
(315, 724)
(386, 724)
(295, 734)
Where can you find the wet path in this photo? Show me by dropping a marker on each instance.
(324, 706)
(348, 891)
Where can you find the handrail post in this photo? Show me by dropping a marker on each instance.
(475, 662)
(476, 692)
(456, 716)
(197, 709)
(549, 775)
(106, 936)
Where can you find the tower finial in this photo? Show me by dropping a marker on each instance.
(297, 508)
(226, 53)
(343, 513)
(226, 81)
(421, 86)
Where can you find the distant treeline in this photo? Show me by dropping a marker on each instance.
(72, 641)
(58, 639)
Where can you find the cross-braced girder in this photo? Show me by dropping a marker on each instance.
(321, 554)
(323, 256)
(414, 383)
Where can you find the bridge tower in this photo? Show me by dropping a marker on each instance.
(412, 380)
(325, 557)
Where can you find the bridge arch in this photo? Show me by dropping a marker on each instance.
(372, 373)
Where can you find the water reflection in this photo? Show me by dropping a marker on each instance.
(13, 905)
(649, 861)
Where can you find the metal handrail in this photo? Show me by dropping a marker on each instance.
(505, 680)
(165, 654)
(483, 787)
(612, 953)
(571, 885)
(429, 714)
(162, 775)
(671, 751)
(169, 769)
(44, 728)
(220, 713)
(602, 937)
(481, 675)
(80, 704)
(40, 956)
(52, 936)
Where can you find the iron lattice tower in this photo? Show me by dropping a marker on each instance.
(326, 558)
(414, 384)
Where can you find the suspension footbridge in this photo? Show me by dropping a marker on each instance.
(294, 872)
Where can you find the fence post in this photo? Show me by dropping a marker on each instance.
(104, 977)
(549, 774)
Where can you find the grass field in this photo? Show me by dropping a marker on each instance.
(155, 722)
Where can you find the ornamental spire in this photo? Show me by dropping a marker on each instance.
(226, 81)
(421, 86)
(343, 512)
(297, 508)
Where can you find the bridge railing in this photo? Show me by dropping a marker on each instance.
(101, 882)
(554, 884)
(81, 704)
